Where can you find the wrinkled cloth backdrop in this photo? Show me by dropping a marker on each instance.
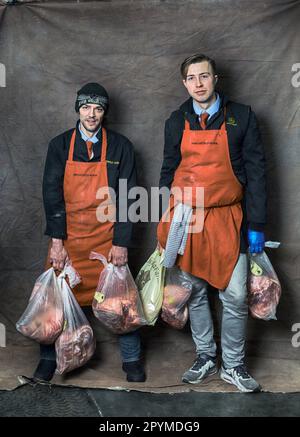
(134, 48)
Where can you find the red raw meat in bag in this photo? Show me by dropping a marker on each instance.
(76, 344)
(177, 292)
(43, 318)
(264, 288)
(117, 303)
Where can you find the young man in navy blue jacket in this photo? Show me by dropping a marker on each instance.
(202, 117)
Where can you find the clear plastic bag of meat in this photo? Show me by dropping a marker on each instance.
(264, 288)
(117, 303)
(76, 344)
(177, 291)
(150, 283)
(43, 318)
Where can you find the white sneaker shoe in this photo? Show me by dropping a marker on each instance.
(240, 377)
(203, 367)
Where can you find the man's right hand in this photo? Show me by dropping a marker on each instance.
(58, 254)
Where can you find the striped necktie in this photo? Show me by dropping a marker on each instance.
(203, 119)
(89, 145)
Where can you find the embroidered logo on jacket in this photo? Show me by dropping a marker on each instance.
(231, 121)
(113, 162)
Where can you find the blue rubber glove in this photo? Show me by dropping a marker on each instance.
(256, 241)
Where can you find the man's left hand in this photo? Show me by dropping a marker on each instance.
(256, 241)
(118, 255)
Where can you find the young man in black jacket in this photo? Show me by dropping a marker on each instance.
(79, 162)
(215, 143)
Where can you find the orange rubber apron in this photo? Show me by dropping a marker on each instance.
(212, 253)
(82, 180)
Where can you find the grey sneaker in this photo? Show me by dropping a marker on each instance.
(240, 377)
(203, 367)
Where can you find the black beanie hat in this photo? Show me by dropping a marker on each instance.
(92, 93)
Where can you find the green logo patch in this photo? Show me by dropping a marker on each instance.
(231, 121)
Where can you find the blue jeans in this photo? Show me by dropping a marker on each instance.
(130, 346)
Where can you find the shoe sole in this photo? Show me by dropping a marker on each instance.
(229, 380)
(136, 379)
(197, 381)
(32, 381)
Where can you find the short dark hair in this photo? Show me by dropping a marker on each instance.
(194, 59)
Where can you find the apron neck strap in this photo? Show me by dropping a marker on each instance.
(223, 127)
(72, 143)
(186, 125)
(104, 145)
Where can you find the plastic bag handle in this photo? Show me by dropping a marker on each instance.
(95, 255)
(272, 244)
(62, 275)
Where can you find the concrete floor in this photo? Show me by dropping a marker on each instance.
(57, 401)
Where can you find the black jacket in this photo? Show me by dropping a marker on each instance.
(120, 165)
(245, 148)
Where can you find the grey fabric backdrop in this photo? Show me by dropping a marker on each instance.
(134, 48)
